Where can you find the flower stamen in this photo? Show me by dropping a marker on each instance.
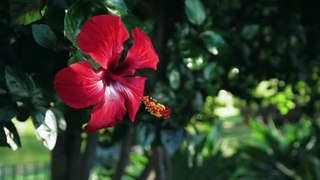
(155, 108)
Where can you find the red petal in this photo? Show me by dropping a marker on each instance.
(108, 112)
(102, 37)
(132, 89)
(140, 56)
(79, 85)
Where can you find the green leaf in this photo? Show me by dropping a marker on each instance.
(250, 31)
(174, 78)
(197, 101)
(194, 57)
(20, 85)
(146, 134)
(8, 112)
(77, 56)
(24, 12)
(116, 7)
(43, 35)
(9, 135)
(77, 14)
(214, 42)
(172, 139)
(47, 132)
(38, 116)
(195, 11)
(80, 56)
(212, 71)
(132, 21)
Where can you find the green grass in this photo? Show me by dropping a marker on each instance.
(31, 150)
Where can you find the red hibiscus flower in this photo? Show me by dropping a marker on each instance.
(111, 89)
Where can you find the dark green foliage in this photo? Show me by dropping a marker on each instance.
(195, 11)
(43, 35)
(264, 54)
(172, 139)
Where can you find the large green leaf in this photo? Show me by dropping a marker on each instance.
(43, 35)
(76, 15)
(47, 132)
(20, 85)
(116, 7)
(26, 11)
(172, 139)
(214, 42)
(195, 11)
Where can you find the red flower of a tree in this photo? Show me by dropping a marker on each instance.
(111, 89)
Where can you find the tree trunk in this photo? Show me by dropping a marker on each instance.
(89, 156)
(124, 155)
(161, 163)
(65, 157)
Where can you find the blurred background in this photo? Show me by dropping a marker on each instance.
(241, 79)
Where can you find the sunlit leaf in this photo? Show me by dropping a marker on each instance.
(9, 135)
(214, 42)
(26, 11)
(116, 7)
(47, 131)
(195, 11)
(194, 57)
(43, 35)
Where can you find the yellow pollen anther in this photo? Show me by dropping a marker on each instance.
(155, 108)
